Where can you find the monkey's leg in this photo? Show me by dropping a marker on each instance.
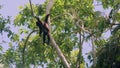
(48, 39)
(44, 37)
(40, 32)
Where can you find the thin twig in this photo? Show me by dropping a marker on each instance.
(31, 8)
(77, 24)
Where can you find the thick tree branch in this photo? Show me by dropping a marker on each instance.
(59, 52)
(49, 6)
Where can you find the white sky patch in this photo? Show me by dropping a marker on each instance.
(11, 7)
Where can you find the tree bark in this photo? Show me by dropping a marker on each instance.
(93, 52)
(59, 52)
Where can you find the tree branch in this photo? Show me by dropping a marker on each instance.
(77, 24)
(59, 52)
(49, 6)
(31, 8)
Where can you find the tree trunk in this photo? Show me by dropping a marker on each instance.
(94, 53)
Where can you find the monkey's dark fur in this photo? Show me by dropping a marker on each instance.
(44, 28)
